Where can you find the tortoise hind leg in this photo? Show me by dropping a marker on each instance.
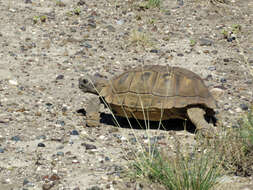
(196, 115)
(92, 112)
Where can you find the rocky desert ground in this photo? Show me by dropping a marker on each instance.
(46, 45)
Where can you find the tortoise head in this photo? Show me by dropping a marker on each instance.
(92, 84)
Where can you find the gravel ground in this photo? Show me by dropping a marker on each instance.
(46, 45)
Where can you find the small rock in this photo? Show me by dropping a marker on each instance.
(49, 105)
(230, 39)
(94, 188)
(139, 186)
(180, 2)
(54, 177)
(59, 77)
(238, 110)
(28, 1)
(41, 145)
(223, 80)
(217, 92)
(47, 186)
(226, 60)
(214, 52)
(167, 12)
(89, 146)
(244, 107)
(81, 2)
(60, 147)
(1, 150)
(75, 162)
(43, 137)
(60, 153)
(60, 122)
(13, 82)
(180, 55)
(133, 140)
(92, 24)
(15, 138)
(153, 51)
(74, 132)
(64, 109)
(211, 68)
(110, 28)
(205, 42)
(72, 30)
(23, 28)
(86, 45)
(25, 182)
(120, 22)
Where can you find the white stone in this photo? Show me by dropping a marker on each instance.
(13, 82)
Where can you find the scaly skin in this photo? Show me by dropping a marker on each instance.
(196, 115)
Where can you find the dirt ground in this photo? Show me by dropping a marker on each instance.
(46, 45)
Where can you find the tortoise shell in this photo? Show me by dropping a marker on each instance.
(156, 93)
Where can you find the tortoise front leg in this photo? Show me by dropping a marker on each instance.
(92, 112)
(196, 115)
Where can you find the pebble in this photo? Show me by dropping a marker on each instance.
(41, 145)
(110, 28)
(94, 188)
(211, 68)
(60, 147)
(89, 146)
(180, 2)
(120, 22)
(25, 181)
(139, 186)
(230, 39)
(133, 140)
(13, 82)
(74, 132)
(92, 24)
(60, 122)
(217, 92)
(238, 110)
(49, 105)
(60, 153)
(153, 51)
(205, 42)
(41, 137)
(1, 150)
(81, 2)
(226, 60)
(59, 77)
(75, 162)
(244, 107)
(86, 45)
(28, 1)
(214, 52)
(15, 138)
(223, 80)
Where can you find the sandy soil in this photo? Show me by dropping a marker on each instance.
(46, 45)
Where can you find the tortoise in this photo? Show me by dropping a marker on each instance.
(155, 92)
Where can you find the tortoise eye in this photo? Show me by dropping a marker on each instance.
(85, 81)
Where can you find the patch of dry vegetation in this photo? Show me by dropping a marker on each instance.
(230, 153)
